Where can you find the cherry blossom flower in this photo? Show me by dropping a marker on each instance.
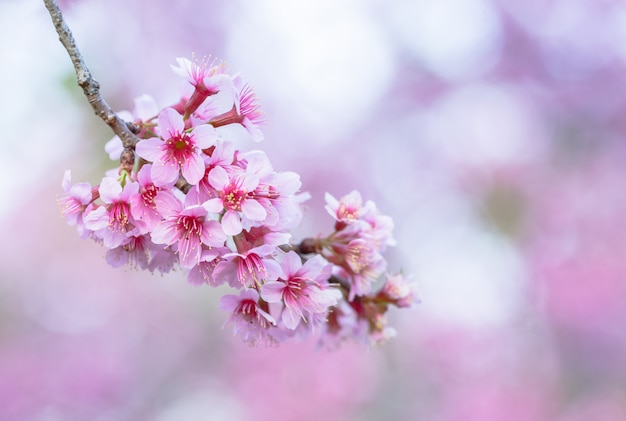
(202, 273)
(247, 317)
(134, 252)
(186, 227)
(234, 199)
(142, 204)
(347, 209)
(303, 288)
(76, 201)
(223, 155)
(398, 291)
(248, 268)
(177, 149)
(213, 89)
(113, 223)
(245, 111)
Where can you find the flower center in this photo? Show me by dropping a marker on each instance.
(179, 147)
(293, 290)
(233, 197)
(189, 226)
(347, 213)
(148, 195)
(118, 216)
(358, 257)
(251, 268)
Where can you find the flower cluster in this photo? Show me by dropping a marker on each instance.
(196, 199)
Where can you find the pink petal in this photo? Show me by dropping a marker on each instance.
(205, 136)
(114, 148)
(67, 180)
(163, 173)
(149, 149)
(212, 234)
(290, 318)
(231, 223)
(272, 291)
(253, 210)
(145, 107)
(272, 269)
(290, 265)
(214, 205)
(97, 219)
(189, 251)
(218, 178)
(110, 189)
(255, 133)
(164, 233)
(170, 122)
(82, 192)
(168, 205)
(193, 168)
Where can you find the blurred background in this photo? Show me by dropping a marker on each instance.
(492, 131)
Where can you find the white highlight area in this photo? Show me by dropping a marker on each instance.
(484, 125)
(470, 278)
(453, 39)
(329, 59)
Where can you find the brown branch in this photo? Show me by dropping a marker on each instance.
(91, 88)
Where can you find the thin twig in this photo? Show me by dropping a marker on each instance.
(91, 88)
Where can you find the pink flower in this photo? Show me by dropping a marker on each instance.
(113, 223)
(235, 198)
(177, 149)
(142, 205)
(277, 194)
(248, 268)
(212, 88)
(302, 288)
(361, 266)
(76, 201)
(134, 252)
(202, 273)
(245, 111)
(247, 317)
(347, 209)
(223, 155)
(398, 291)
(163, 259)
(187, 227)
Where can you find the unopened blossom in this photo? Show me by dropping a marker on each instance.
(186, 227)
(234, 199)
(247, 317)
(177, 150)
(113, 222)
(303, 288)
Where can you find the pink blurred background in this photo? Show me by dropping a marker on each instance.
(492, 131)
